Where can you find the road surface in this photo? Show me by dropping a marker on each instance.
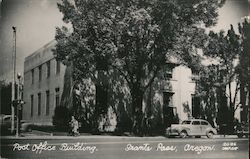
(105, 147)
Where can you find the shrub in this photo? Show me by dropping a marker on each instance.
(61, 118)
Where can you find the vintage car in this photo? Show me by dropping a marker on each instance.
(242, 130)
(193, 127)
(26, 126)
(5, 124)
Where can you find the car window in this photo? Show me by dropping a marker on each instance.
(204, 123)
(186, 122)
(196, 123)
(7, 118)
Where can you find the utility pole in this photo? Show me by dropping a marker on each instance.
(13, 81)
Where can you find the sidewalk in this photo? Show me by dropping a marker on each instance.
(63, 135)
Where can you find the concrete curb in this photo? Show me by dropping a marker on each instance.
(51, 137)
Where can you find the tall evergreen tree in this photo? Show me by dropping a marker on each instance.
(244, 68)
(228, 51)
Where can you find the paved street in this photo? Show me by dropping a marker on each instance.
(111, 147)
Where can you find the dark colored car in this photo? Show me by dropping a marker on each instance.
(241, 130)
(5, 123)
(26, 126)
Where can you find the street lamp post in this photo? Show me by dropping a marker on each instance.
(13, 81)
(19, 103)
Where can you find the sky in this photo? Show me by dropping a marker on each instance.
(36, 21)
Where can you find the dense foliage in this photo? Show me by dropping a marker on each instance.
(134, 37)
(221, 84)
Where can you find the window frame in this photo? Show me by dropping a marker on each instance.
(57, 96)
(31, 105)
(204, 122)
(196, 121)
(47, 103)
(58, 67)
(39, 104)
(48, 69)
(32, 76)
(40, 73)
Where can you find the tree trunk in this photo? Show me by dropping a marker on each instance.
(137, 113)
(243, 96)
(231, 119)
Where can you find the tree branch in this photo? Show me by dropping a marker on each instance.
(123, 74)
(152, 79)
(236, 92)
(236, 107)
(230, 93)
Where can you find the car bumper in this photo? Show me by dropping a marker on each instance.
(172, 132)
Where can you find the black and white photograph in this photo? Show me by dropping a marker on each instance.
(127, 79)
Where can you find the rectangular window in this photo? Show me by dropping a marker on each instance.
(195, 75)
(40, 73)
(57, 67)
(168, 72)
(31, 105)
(204, 123)
(47, 102)
(39, 104)
(48, 69)
(57, 97)
(196, 123)
(196, 109)
(168, 109)
(168, 99)
(32, 76)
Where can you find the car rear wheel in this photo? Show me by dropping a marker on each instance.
(210, 134)
(183, 134)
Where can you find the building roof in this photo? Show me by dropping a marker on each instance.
(40, 56)
(46, 46)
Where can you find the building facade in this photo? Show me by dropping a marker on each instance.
(43, 85)
(176, 93)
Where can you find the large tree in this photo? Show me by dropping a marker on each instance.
(206, 91)
(244, 67)
(226, 49)
(219, 85)
(135, 37)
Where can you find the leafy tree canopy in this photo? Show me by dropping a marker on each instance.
(135, 37)
(244, 67)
